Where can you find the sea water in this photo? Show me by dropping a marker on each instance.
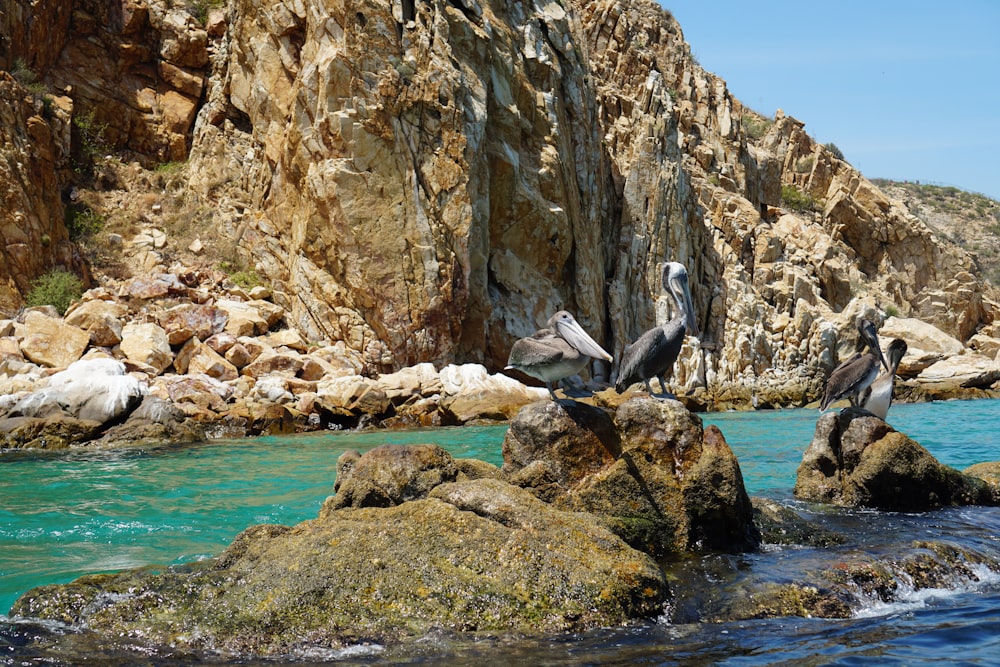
(66, 514)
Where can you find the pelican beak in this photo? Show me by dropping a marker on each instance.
(581, 340)
(871, 337)
(679, 285)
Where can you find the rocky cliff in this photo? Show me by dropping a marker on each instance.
(430, 181)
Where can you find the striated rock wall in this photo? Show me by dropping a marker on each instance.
(430, 181)
(34, 143)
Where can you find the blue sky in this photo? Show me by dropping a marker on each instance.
(907, 90)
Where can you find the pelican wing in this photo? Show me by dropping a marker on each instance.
(652, 354)
(851, 377)
(541, 348)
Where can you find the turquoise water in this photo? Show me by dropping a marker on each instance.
(67, 514)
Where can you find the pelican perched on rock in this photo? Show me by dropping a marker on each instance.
(562, 349)
(878, 397)
(654, 353)
(852, 377)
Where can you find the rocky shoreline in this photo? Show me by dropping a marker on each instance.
(597, 518)
(204, 358)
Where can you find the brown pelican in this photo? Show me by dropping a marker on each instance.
(562, 349)
(853, 376)
(654, 353)
(878, 397)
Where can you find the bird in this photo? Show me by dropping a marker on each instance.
(653, 354)
(558, 351)
(878, 397)
(853, 376)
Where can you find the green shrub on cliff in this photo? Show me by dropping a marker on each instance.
(797, 200)
(56, 288)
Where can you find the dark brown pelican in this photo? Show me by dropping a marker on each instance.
(654, 353)
(853, 376)
(878, 397)
(562, 349)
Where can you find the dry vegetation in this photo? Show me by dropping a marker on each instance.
(968, 219)
(132, 218)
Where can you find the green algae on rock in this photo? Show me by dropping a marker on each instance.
(476, 556)
(651, 471)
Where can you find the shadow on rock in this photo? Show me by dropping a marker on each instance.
(650, 470)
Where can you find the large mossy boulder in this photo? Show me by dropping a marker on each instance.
(479, 555)
(857, 460)
(563, 538)
(652, 472)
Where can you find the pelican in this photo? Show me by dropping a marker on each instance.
(654, 353)
(878, 397)
(853, 376)
(562, 349)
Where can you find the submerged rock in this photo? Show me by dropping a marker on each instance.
(858, 460)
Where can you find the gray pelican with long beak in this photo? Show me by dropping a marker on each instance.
(851, 378)
(878, 398)
(562, 349)
(654, 353)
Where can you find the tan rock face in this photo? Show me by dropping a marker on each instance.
(405, 188)
(51, 342)
(430, 188)
(33, 236)
(147, 344)
(137, 67)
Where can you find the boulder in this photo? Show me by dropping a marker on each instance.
(289, 338)
(857, 460)
(274, 363)
(198, 358)
(221, 342)
(49, 341)
(155, 421)
(96, 390)
(242, 318)
(968, 371)
(474, 556)
(390, 475)
(101, 319)
(147, 343)
(190, 320)
(989, 472)
(472, 393)
(411, 383)
(920, 335)
(54, 431)
(200, 390)
(660, 480)
(351, 395)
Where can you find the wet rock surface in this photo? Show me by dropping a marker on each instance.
(414, 539)
(858, 460)
(474, 556)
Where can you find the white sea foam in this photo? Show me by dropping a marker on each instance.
(908, 598)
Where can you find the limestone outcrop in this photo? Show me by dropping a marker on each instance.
(857, 460)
